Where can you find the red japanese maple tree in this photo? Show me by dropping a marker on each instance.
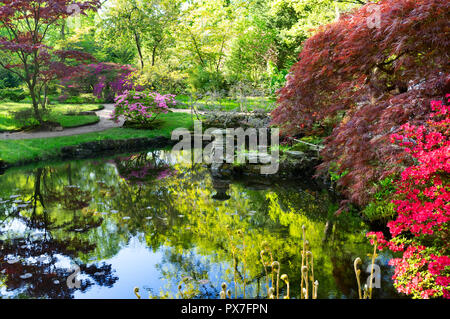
(24, 25)
(368, 80)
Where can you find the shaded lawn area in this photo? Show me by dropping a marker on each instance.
(227, 104)
(58, 111)
(20, 151)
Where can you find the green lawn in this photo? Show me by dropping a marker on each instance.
(58, 111)
(21, 151)
(227, 104)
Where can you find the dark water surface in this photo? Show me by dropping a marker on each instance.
(149, 220)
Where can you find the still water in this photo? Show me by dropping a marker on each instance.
(152, 221)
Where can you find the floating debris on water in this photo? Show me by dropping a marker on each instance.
(126, 218)
(114, 211)
(56, 282)
(13, 261)
(42, 259)
(26, 276)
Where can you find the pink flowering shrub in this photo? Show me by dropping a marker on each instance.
(141, 107)
(111, 79)
(421, 229)
(103, 80)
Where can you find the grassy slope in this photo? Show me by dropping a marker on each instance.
(17, 151)
(7, 121)
(76, 120)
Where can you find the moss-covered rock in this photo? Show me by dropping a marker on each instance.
(255, 119)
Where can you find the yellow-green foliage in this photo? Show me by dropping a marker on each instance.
(383, 210)
(307, 139)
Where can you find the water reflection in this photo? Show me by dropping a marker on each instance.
(150, 221)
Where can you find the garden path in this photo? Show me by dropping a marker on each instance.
(104, 124)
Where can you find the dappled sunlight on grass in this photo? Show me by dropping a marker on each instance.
(58, 114)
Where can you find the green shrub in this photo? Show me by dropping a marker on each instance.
(201, 80)
(379, 210)
(12, 94)
(163, 80)
(277, 78)
(25, 118)
(381, 207)
(84, 98)
(8, 79)
(334, 172)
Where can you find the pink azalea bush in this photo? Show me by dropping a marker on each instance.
(421, 229)
(142, 107)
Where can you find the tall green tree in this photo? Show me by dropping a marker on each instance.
(143, 24)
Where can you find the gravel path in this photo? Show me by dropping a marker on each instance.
(104, 124)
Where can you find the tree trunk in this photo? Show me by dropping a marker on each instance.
(63, 30)
(198, 51)
(155, 47)
(154, 55)
(35, 101)
(138, 46)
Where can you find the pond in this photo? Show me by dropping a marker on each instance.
(100, 228)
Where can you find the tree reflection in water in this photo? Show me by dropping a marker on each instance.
(93, 210)
(31, 255)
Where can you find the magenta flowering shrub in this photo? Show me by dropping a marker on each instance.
(111, 79)
(103, 80)
(142, 107)
(421, 229)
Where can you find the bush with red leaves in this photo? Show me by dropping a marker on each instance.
(24, 26)
(368, 81)
(104, 80)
